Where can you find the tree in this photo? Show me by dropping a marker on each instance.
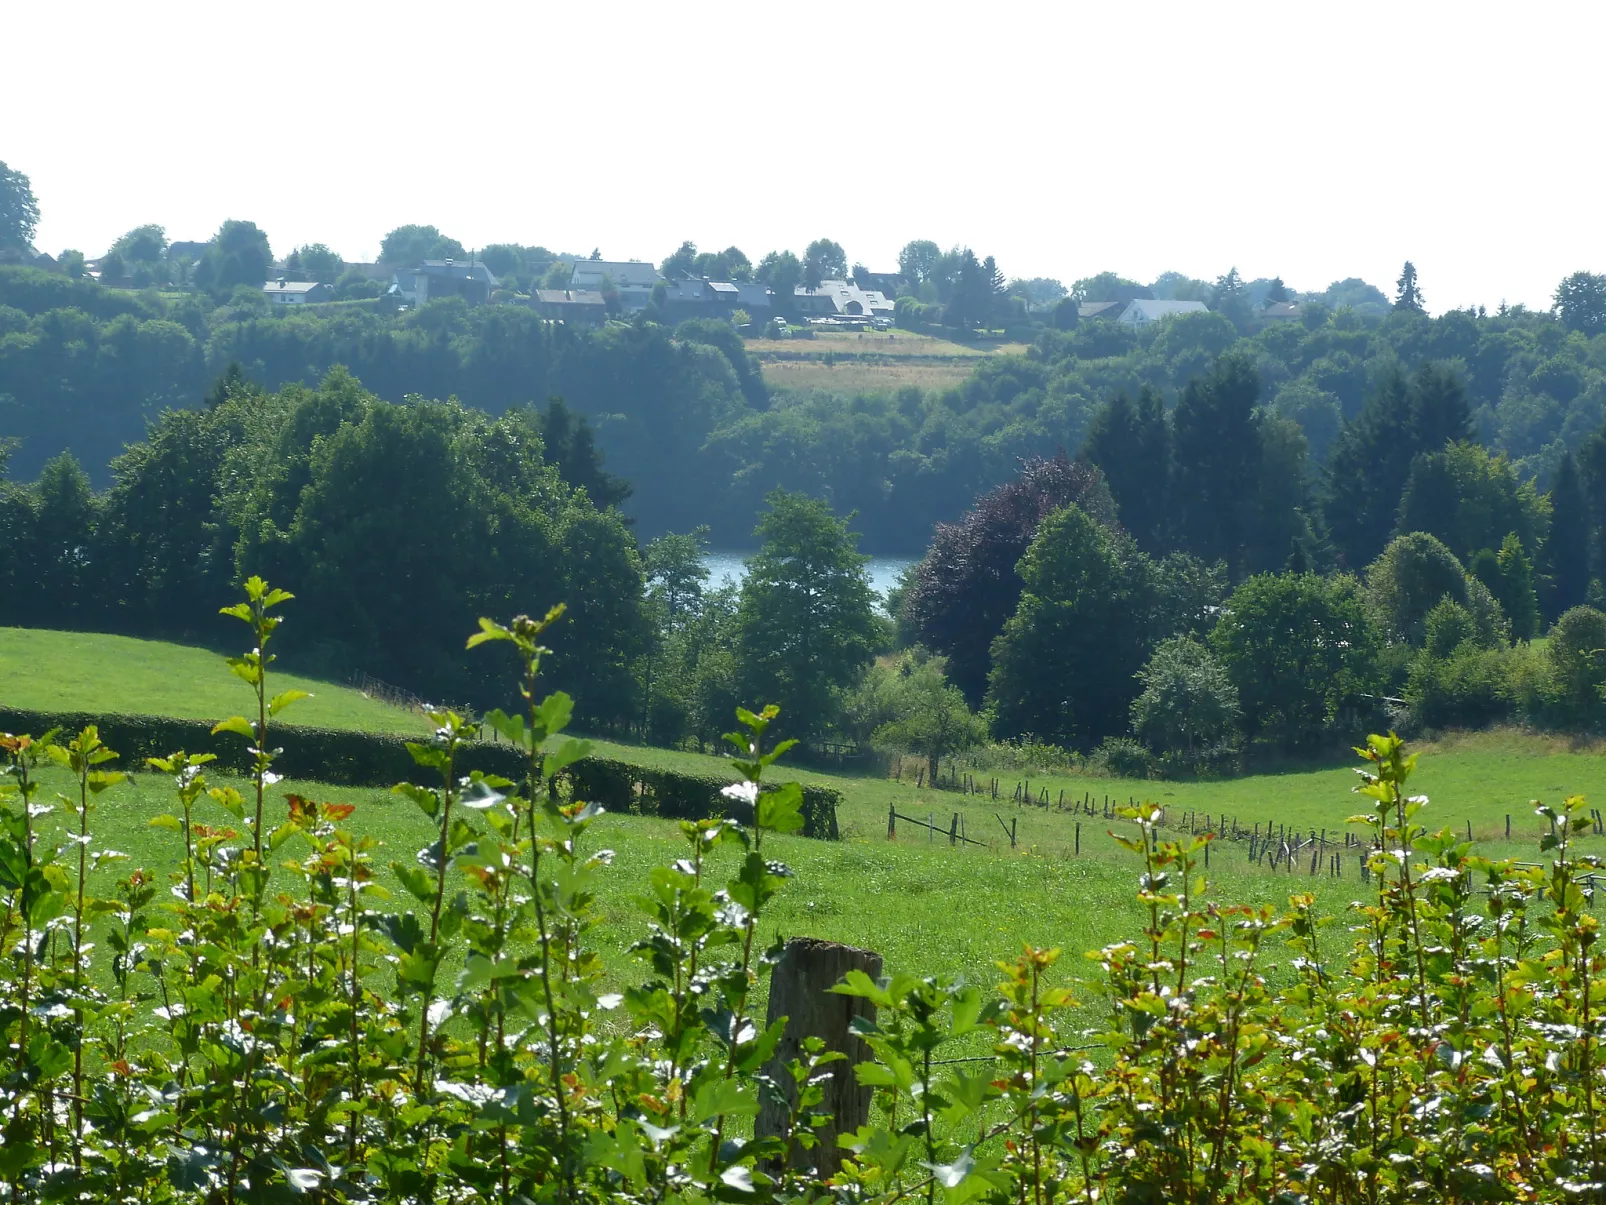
(142, 245)
(932, 719)
(682, 263)
(1371, 458)
(1218, 455)
(1407, 294)
(1109, 286)
(967, 586)
(65, 513)
(1039, 293)
(1517, 596)
(676, 575)
(315, 261)
(1470, 499)
(918, 260)
(1189, 704)
(1581, 302)
(1131, 445)
(1064, 665)
(1297, 647)
(569, 444)
(1576, 651)
(1277, 292)
(1566, 549)
(237, 255)
(824, 260)
(1407, 581)
(19, 212)
(783, 272)
(1230, 298)
(405, 246)
(806, 624)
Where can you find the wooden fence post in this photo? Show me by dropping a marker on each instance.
(892, 821)
(953, 831)
(1078, 837)
(800, 991)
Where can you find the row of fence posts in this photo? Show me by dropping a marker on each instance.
(1278, 848)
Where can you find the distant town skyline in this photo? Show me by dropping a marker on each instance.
(1310, 144)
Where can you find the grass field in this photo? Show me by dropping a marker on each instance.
(925, 905)
(84, 671)
(870, 361)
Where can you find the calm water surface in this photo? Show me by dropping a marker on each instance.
(727, 566)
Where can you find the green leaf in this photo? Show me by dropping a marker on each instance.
(165, 821)
(566, 755)
(554, 713)
(279, 703)
(724, 1097)
(238, 724)
(416, 879)
(780, 811)
(428, 801)
(489, 630)
(510, 727)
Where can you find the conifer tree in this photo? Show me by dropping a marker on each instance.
(1566, 550)
(1408, 294)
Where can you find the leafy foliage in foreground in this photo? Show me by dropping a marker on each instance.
(273, 1027)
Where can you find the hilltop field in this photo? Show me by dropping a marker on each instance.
(923, 903)
(869, 361)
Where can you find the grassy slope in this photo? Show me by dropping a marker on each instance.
(82, 671)
(1478, 777)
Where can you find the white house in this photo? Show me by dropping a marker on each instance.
(1141, 312)
(294, 292)
(841, 299)
(632, 280)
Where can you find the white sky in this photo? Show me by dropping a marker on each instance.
(1315, 141)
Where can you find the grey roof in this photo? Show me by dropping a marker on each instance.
(626, 274)
(1093, 309)
(687, 290)
(753, 293)
(1144, 310)
(569, 297)
(1283, 309)
(290, 286)
(724, 287)
(458, 271)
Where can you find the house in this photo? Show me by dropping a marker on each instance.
(1142, 311)
(756, 299)
(294, 292)
(694, 298)
(690, 298)
(887, 283)
(632, 280)
(581, 306)
(841, 299)
(1282, 311)
(1099, 309)
(437, 278)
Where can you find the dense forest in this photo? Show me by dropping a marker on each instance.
(1170, 544)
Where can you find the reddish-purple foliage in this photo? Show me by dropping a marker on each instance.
(965, 589)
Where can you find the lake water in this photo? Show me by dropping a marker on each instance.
(727, 566)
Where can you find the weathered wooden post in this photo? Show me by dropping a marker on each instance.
(953, 830)
(1079, 838)
(892, 821)
(800, 992)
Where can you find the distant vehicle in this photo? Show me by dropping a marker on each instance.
(882, 324)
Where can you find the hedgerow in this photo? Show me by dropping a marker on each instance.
(259, 1022)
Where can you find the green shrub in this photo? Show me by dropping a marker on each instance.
(1121, 757)
(370, 759)
(1471, 688)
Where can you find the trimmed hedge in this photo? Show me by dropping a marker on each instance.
(372, 759)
